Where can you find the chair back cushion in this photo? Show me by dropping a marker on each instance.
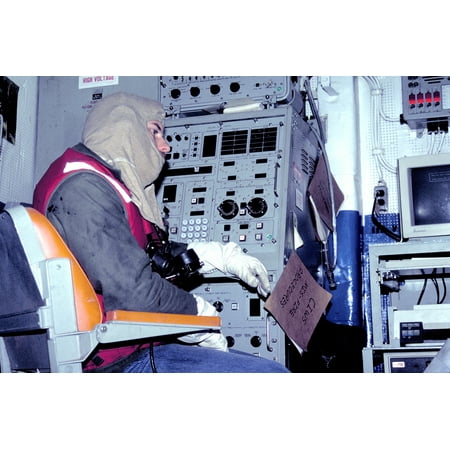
(88, 310)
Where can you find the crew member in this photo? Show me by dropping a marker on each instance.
(100, 196)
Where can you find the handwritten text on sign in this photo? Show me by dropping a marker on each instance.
(297, 302)
(319, 189)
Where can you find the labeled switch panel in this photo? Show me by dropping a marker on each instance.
(210, 94)
(426, 102)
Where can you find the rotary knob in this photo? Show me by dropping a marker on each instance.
(228, 209)
(230, 341)
(257, 207)
(256, 341)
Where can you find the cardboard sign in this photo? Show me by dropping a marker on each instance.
(319, 189)
(297, 302)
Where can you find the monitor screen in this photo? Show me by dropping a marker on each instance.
(424, 189)
(431, 194)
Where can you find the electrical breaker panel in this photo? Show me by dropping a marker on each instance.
(426, 102)
(243, 178)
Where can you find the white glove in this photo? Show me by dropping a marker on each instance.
(232, 261)
(210, 340)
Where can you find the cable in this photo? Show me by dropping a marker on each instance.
(439, 299)
(436, 286)
(444, 286)
(441, 143)
(1, 133)
(376, 112)
(314, 111)
(431, 139)
(381, 227)
(422, 292)
(321, 139)
(152, 358)
(435, 145)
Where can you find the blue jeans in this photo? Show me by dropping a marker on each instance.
(177, 358)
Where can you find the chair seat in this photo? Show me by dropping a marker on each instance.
(61, 324)
(179, 319)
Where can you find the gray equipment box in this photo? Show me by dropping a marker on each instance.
(184, 94)
(398, 360)
(243, 177)
(426, 102)
(407, 285)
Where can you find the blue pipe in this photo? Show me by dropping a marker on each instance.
(345, 307)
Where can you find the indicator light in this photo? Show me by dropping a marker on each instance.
(420, 99)
(437, 97)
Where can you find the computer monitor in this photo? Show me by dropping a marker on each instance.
(424, 193)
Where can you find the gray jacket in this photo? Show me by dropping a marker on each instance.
(89, 215)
